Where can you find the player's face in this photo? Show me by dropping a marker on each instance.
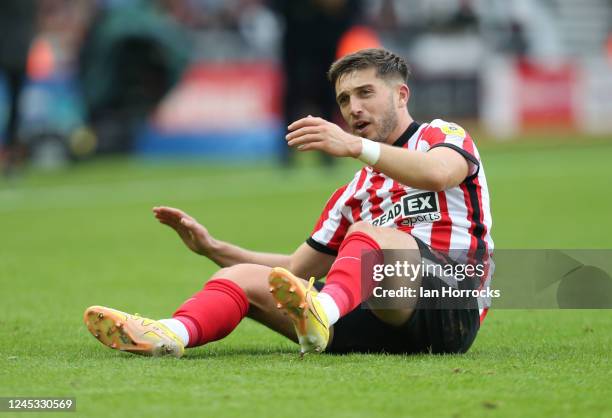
(368, 104)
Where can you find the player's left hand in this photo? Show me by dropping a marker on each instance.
(312, 133)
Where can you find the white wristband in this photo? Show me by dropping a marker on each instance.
(370, 152)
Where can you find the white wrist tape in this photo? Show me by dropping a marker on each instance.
(370, 152)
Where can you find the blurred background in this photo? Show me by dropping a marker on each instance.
(220, 79)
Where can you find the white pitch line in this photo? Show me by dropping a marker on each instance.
(114, 194)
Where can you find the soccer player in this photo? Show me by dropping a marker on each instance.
(432, 169)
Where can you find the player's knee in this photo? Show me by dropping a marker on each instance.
(233, 273)
(227, 273)
(361, 226)
(236, 270)
(251, 278)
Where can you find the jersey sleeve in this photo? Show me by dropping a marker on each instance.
(332, 225)
(440, 133)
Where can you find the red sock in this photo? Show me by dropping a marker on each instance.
(213, 312)
(343, 282)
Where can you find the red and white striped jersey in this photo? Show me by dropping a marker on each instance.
(455, 219)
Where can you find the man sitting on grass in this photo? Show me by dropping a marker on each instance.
(422, 189)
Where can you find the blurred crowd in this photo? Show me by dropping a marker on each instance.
(120, 57)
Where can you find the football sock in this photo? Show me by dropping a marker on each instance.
(178, 328)
(343, 282)
(213, 312)
(330, 308)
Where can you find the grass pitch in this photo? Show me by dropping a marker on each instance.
(86, 236)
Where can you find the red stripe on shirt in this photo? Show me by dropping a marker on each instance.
(328, 206)
(375, 201)
(339, 234)
(433, 135)
(398, 191)
(353, 202)
(469, 215)
(441, 230)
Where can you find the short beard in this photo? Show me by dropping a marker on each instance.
(388, 122)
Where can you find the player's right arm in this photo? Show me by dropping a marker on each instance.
(304, 262)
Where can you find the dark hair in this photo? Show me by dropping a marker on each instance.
(387, 64)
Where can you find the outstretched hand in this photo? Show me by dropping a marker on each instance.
(195, 236)
(311, 133)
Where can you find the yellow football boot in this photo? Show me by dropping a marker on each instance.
(133, 333)
(301, 304)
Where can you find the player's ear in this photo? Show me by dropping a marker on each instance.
(403, 95)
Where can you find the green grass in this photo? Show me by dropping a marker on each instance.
(86, 236)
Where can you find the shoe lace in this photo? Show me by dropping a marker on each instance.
(317, 315)
(151, 322)
(139, 317)
(311, 282)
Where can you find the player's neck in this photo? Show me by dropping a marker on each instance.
(404, 121)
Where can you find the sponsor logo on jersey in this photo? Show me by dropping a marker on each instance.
(420, 203)
(416, 208)
(427, 218)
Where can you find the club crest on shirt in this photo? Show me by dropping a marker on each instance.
(415, 208)
(452, 129)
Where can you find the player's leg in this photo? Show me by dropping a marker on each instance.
(344, 281)
(209, 315)
(313, 314)
(216, 310)
(406, 328)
